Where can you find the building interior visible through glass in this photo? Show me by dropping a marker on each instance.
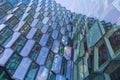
(41, 40)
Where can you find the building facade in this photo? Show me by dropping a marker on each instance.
(41, 40)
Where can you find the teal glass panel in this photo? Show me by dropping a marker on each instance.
(39, 25)
(18, 45)
(32, 72)
(64, 67)
(2, 13)
(50, 42)
(92, 38)
(35, 51)
(3, 75)
(32, 12)
(5, 33)
(37, 35)
(25, 29)
(6, 6)
(50, 58)
(13, 63)
(13, 2)
(49, 31)
(22, 6)
(12, 22)
(1, 49)
(29, 19)
(18, 13)
(51, 76)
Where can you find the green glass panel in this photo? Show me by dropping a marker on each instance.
(22, 6)
(32, 72)
(5, 33)
(3, 75)
(13, 63)
(41, 17)
(61, 49)
(32, 12)
(25, 29)
(38, 35)
(12, 22)
(50, 58)
(51, 76)
(7, 6)
(39, 25)
(18, 45)
(35, 51)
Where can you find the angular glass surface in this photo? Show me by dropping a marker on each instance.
(49, 31)
(60, 77)
(44, 28)
(13, 2)
(103, 54)
(54, 25)
(55, 47)
(42, 74)
(3, 74)
(39, 25)
(13, 63)
(42, 56)
(25, 29)
(68, 52)
(45, 20)
(56, 66)
(6, 6)
(12, 22)
(37, 35)
(63, 67)
(29, 19)
(51, 76)
(35, 51)
(65, 40)
(2, 13)
(55, 34)
(18, 13)
(5, 34)
(1, 49)
(44, 39)
(115, 41)
(32, 72)
(18, 45)
(50, 42)
(49, 60)
(22, 6)
(32, 12)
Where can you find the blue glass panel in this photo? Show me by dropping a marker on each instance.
(57, 64)
(6, 6)
(60, 77)
(55, 34)
(55, 47)
(44, 39)
(13, 2)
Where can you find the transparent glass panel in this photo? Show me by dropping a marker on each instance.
(37, 35)
(18, 45)
(25, 29)
(7, 6)
(51, 76)
(49, 60)
(32, 72)
(13, 63)
(5, 34)
(12, 22)
(35, 51)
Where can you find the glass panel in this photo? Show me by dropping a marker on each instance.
(49, 31)
(35, 51)
(34, 6)
(18, 45)
(51, 76)
(22, 6)
(32, 12)
(50, 42)
(25, 29)
(39, 25)
(1, 49)
(115, 75)
(55, 47)
(37, 35)
(41, 17)
(32, 72)
(3, 75)
(12, 22)
(44, 39)
(6, 6)
(50, 58)
(115, 41)
(64, 66)
(29, 19)
(2, 13)
(103, 54)
(18, 13)
(13, 63)
(5, 35)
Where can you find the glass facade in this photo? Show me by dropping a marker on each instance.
(41, 40)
